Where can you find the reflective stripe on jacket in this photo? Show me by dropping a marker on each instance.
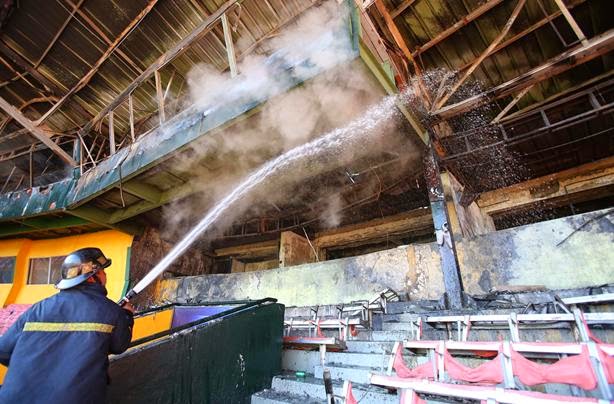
(57, 351)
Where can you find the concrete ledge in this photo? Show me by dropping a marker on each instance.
(571, 252)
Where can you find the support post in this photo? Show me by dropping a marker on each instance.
(445, 240)
(31, 169)
(131, 109)
(111, 134)
(160, 96)
(230, 49)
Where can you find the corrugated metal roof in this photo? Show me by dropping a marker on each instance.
(88, 33)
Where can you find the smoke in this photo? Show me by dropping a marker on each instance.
(318, 41)
(332, 215)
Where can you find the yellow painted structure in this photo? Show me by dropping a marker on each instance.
(114, 244)
(152, 323)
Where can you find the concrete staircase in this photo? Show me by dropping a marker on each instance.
(369, 352)
(362, 356)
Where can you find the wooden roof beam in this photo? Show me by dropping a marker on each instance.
(566, 187)
(483, 55)
(60, 31)
(36, 131)
(400, 41)
(576, 56)
(458, 25)
(162, 61)
(510, 105)
(50, 86)
(571, 21)
(401, 7)
(88, 76)
(527, 31)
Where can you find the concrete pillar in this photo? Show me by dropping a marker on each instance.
(294, 250)
(466, 221)
(445, 239)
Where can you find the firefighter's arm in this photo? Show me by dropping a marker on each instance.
(122, 333)
(9, 339)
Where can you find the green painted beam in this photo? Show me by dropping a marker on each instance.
(101, 217)
(141, 207)
(390, 87)
(41, 224)
(142, 190)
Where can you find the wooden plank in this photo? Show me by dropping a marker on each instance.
(58, 33)
(404, 223)
(262, 249)
(510, 105)
(465, 75)
(456, 26)
(107, 53)
(571, 21)
(111, 133)
(50, 85)
(230, 49)
(565, 187)
(163, 60)
(527, 31)
(131, 111)
(294, 250)
(400, 41)
(603, 297)
(36, 131)
(160, 96)
(580, 54)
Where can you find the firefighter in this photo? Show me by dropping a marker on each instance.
(57, 351)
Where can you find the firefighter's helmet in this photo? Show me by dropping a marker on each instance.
(81, 265)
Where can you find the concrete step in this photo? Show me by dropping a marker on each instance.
(357, 374)
(306, 361)
(313, 388)
(392, 336)
(365, 346)
(274, 397)
(393, 326)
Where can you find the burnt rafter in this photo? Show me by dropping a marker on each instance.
(36, 131)
(578, 55)
(162, 61)
(465, 75)
(400, 42)
(522, 34)
(112, 47)
(487, 6)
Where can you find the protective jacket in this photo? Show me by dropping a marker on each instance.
(57, 351)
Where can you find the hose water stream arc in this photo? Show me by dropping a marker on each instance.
(355, 131)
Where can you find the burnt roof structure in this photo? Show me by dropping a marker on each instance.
(97, 122)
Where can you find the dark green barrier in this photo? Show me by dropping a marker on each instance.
(223, 360)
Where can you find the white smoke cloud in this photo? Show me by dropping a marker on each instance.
(331, 99)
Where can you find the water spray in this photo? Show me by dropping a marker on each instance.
(333, 141)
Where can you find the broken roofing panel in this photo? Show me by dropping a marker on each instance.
(289, 67)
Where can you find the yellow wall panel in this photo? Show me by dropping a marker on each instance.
(114, 244)
(150, 324)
